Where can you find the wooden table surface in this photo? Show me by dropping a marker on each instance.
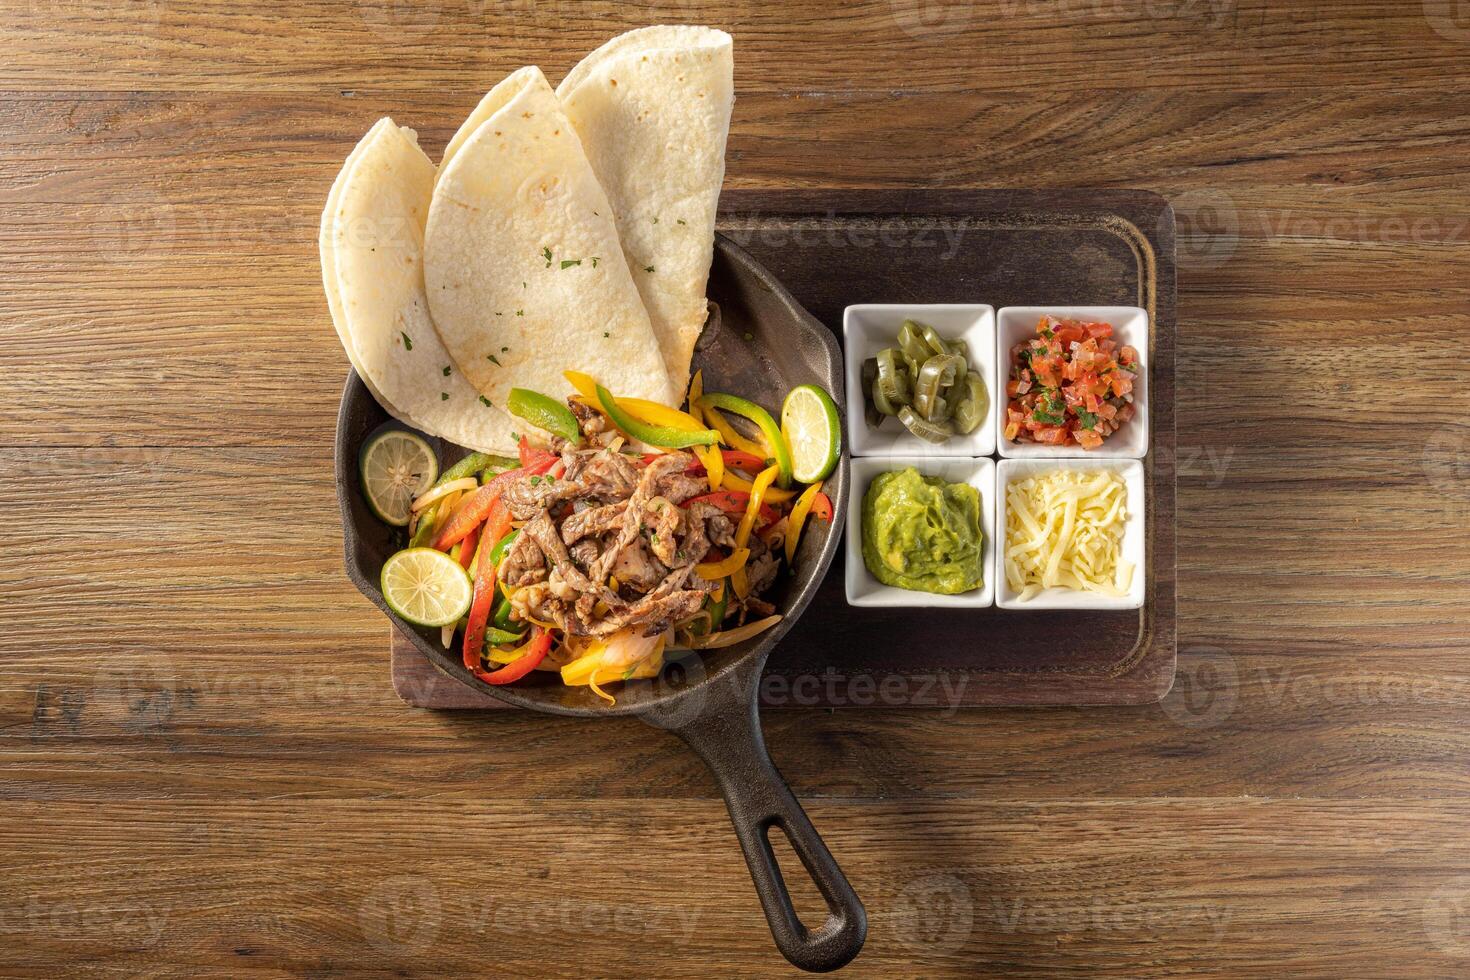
(206, 773)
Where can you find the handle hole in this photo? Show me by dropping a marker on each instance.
(806, 898)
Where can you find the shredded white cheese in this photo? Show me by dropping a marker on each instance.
(1065, 528)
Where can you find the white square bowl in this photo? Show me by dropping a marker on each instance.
(1130, 326)
(1134, 538)
(865, 590)
(869, 327)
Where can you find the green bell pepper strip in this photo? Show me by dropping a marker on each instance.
(717, 610)
(496, 466)
(494, 637)
(544, 413)
(655, 435)
(469, 466)
(424, 533)
(502, 619)
(762, 418)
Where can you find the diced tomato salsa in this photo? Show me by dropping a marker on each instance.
(1070, 384)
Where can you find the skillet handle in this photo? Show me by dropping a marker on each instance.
(730, 743)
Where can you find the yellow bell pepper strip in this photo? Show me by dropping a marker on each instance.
(664, 436)
(762, 418)
(797, 517)
(544, 413)
(714, 464)
(713, 571)
(775, 494)
(640, 408)
(728, 434)
(747, 523)
(696, 389)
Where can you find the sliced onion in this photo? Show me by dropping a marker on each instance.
(731, 637)
(453, 486)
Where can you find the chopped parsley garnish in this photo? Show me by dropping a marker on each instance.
(493, 359)
(568, 263)
(504, 350)
(520, 312)
(595, 260)
(446, 370)
(444, 396)
(535, 481)
(1041, 416)
(545, 254)
(407, 340)
(680, 221)
(648, 268)
(1087, 418)
(486, 402)
(655, 219)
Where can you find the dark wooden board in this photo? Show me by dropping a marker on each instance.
(1078, 247)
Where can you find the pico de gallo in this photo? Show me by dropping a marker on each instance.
(1071, 384)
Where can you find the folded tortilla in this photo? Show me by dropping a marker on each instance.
(371, 244)
(652, 108)
(525, 274)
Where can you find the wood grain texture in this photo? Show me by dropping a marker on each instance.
(204, 772)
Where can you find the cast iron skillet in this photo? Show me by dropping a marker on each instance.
(761, 345)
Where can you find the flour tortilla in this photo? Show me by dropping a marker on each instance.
(517, 190)
(374, 252)
(652, 108)
(327, 252)
(494, 99)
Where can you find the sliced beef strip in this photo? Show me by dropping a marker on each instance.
(657, 615)
(595, 521)
(543, 532)
(609, 475)
(637, 568)
(664, 522)
(652, 473)
(528, 496)
(585, 552)
(760, 572)
(680, 486)
(592, 423)
(522, 563)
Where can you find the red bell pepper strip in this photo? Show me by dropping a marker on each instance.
(467, 550)
(483, 598)
(822, 507)
(470, 514)
(531, 456)
(536, 652)
(734, 502)
(734, 459)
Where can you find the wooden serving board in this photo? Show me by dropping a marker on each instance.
(1006, 248)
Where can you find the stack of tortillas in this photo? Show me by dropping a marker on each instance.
(563, 230)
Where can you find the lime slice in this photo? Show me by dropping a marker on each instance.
(396, 466)
(813, 432)
(426, 587)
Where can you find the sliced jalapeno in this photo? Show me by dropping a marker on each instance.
(923, 428)
(969, 411)
(893, 377)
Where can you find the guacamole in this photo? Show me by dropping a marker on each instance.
(923, 533)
